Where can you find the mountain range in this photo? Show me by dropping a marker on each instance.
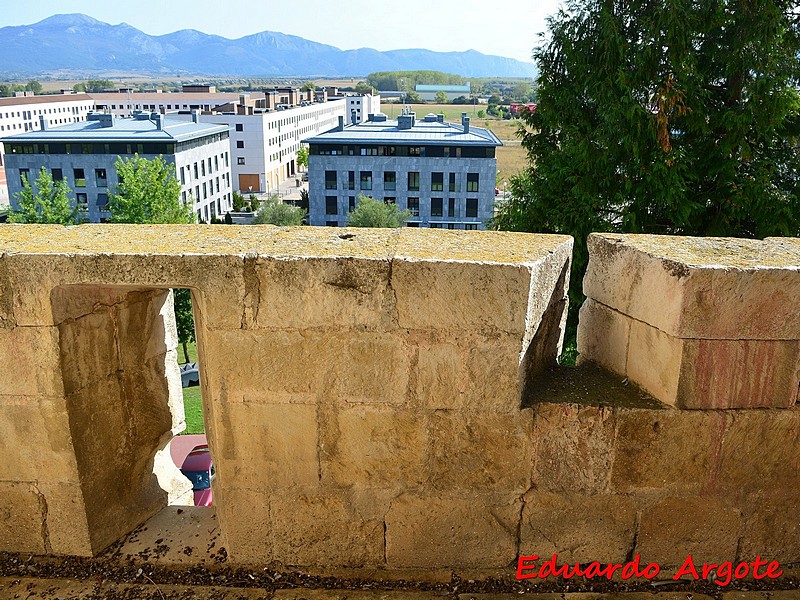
(79, 43)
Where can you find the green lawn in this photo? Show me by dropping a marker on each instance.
(193, 407)
(192, 347)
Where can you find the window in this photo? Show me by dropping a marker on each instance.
(240, 160)
(435, 225)
(471, 226)
(331, 205)
(352, 203)
(389, 200)
(100, 177)
(83, 201)
(80, 177)
(413, 181)
(58, 175)
(183, 178)
(413, 206)
(454, 184)
(331, 223)
(203, 168)
(366, 180)
(451, 225)
(472, 207)
(437, 182)
(239, 127)
(102, 201)
(412, 224)
(436, 207)
(205, 191)
(369, 151)
(389, 180)
(351, 180)
(414, 151)
(472, 182)
(330, 180)
(451, 207)
(239, 144)
(216, 163)
(24, 176)
(196, 174)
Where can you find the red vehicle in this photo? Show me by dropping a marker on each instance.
(199, 469)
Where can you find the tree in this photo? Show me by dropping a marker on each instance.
(302, 156)
(413, 97)
(309, 86)
(148, 192)
(374, 213)
(275, 212)
(34, 86)
(50, 202)
(184, 319)
(481, 114)
(440, 97)
(95, 86)
(662, 117)
(238, 201)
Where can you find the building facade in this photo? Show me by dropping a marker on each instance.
(83, 155)
(443, 173)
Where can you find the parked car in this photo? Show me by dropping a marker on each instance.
(190, 375)
(199, 469)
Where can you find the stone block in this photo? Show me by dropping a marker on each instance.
(603, 335)
(376, 447)
(462, 296)
(312, 530)
(665, 449)
(7, 319)
(654, 362)
(35, 441)
(31, 359)
(451, 531)
(574, 448)
(66, 522)
(89, 347)
(330, 293)
(244, 518)
(22, 527)
(441, 376)
(719, 374)
(771, 527)
(580, 529)
(759, 453)
(265, 446)
(495, 374)
(306, 367)
(704, 288)
(482, 452)
(675, 527)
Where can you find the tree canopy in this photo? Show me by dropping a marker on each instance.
(148, 192)
(374, 213)
(275, 212)
(672, 117)
(397, 80)
(47, 201)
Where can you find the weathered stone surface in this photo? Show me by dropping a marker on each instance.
(760, 448)
(31, 359)
(452, 531)
(739, 374)
(376, 447)
(706, 288)
(35, 441)
(675, 527)
(574, 448)
(442, 380)
(589, 596)
(580, 529)
(6, 296)
(654, 362)
(306, 293)
(495, 378)
(665, 449)
(65, 519)
(306, 594)
(603, 335)
(323, 529)
(487, 452)
(306, 367)
(771, 527)
(266, 446)
(21, 519)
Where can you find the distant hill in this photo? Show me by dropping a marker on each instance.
(79, 43)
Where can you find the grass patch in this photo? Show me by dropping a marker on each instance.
(511, 159)
(193, 408)
(192, 347)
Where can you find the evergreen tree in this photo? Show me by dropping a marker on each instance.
(49, 203)
(671, 117)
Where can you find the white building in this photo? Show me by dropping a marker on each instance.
(83, 154)
(22, 113)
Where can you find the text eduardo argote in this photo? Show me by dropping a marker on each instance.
(722, 574)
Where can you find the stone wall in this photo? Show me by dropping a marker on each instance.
(368, 393)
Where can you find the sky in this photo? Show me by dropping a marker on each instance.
(504, 29)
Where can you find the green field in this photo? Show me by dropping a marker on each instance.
(193, 408)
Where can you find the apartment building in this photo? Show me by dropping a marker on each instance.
(83, 154)
(23, 112)
(443, 173)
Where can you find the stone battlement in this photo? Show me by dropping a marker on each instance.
(366, 394)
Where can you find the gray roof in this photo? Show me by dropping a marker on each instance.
(422, 133)
(444, 88)
(123, 130)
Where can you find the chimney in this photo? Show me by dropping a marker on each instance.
(405, 122)
(353, 117)
(42, 123)
(195, 116)
(440, 118)
(159, 120)
(341, 123)
(370, 117)
(465, 122)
